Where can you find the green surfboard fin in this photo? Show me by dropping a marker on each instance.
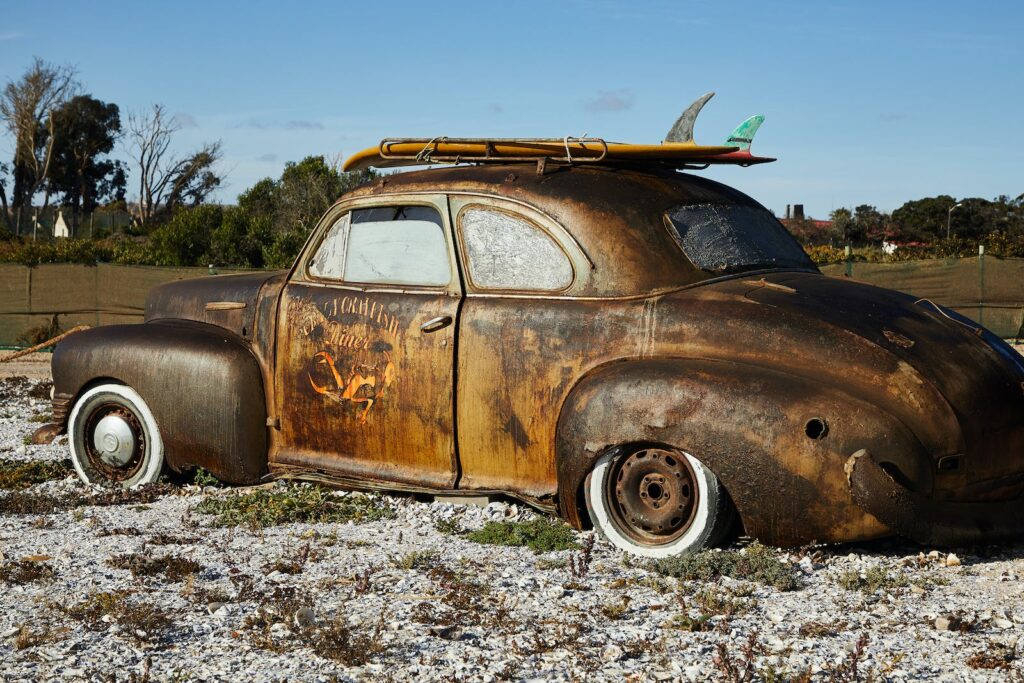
(744, 133)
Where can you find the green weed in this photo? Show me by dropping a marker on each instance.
(754, 563)
(541, 535)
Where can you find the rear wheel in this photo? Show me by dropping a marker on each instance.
(114, 438)
(658, 503)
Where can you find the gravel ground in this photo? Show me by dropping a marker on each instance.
(400, 600)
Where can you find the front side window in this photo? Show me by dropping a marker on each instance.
(398, 245)
(733, 238)
(510, 252)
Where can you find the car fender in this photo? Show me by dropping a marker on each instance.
(753, 427)
(202, 383)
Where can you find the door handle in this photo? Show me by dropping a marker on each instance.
(436, 324)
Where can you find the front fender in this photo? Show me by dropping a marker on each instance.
(749, 425)
(202, 383)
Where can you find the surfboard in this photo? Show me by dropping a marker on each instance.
(678, 150)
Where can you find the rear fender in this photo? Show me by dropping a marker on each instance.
(748, 425)
(202, 383)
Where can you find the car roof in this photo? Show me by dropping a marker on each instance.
(615, 214)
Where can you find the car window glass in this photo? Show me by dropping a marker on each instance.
(733, 238)
(509, 252)
(401, 245)
(329, 260)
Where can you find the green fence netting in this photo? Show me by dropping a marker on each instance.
(986, 289)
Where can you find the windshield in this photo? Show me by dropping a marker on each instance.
(733, 238)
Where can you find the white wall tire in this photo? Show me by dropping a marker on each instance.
(114, 438)
(707, 515)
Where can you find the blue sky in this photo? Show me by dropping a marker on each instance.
(866, 101)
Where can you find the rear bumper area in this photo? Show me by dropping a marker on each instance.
(922, 519)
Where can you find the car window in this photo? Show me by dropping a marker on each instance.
(734, 238)
(510, 252)
(400, 245)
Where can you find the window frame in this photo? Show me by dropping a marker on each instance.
(437, 202)
(471, 203)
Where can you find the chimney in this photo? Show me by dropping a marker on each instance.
(798, 212)
(787, 212)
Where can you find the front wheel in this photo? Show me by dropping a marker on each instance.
(658, 503)
(114, 438)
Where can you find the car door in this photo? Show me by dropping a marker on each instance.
(365, 352)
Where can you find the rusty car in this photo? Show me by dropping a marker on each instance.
(585, 327)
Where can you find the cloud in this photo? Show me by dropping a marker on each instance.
(258, 124)
(620, 100)
(10, 35)
(304, 125)
(269, 158)
(185, 120)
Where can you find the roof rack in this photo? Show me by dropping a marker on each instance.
(469, 150)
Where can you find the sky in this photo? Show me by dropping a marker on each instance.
(866, 101)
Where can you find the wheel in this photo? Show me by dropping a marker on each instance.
(114, 438)
(657, 503)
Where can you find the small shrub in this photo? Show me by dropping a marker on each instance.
(140, 621)
(755, 563)
(997, 656)
(201, 477)
(20, 474)
(872, 580)
(541, 535)
(21, 572)
(819, 629)
(172, 567)
(616, 610)
(292, 563)
(28, 638)
(292, 504)
(450, 527)
(417, 559)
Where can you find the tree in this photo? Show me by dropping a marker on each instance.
(4, 170)
(870, 224)
(26, 108)
(842, 225)
(285, 210)
(924, 219)
(166, 180)
(86, 130)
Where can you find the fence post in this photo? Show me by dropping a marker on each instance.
(849, 261)
(981, 285)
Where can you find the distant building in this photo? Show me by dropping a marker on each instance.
(60, 227)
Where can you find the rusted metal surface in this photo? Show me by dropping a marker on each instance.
(202, 384)
(771, 378)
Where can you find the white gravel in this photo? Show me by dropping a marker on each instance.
(619, 622)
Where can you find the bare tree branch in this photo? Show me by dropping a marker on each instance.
(26, 109)
(165, 180)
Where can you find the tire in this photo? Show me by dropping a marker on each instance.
(114, 438)
(657, 503)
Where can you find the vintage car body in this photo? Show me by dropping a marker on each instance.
(826, 409)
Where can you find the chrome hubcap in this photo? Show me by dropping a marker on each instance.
(114, 441)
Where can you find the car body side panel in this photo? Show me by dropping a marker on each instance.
(202, 383)
(747, 425)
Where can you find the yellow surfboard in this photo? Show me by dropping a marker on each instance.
(420, 151)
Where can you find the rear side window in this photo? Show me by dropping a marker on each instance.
(399, 245)
(509, 252)
(733, 238)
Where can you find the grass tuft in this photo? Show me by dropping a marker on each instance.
(20, 474)
(292, 504)
(754, 563)
(541, 535)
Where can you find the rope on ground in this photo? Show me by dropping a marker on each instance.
(48, 342)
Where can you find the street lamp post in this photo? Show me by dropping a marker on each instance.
(949, 217)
